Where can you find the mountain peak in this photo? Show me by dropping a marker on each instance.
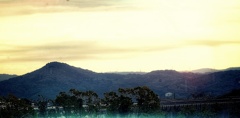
(61, 68)
(55, 63)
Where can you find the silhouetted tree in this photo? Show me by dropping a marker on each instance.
(92, 101)
(146, 99)
(15, 107)
(125, 104)
(70, 103)
(42, 105)
(112, 101)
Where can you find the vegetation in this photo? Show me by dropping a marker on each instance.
(138, 102)
(13, 107)
(122, 102)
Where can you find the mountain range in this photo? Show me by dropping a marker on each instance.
(57, 77)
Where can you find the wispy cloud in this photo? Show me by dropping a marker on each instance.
(23, 7)
(83, 50)
(84, 3)
(73, 51)
(212, 43)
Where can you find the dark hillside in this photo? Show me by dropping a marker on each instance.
(55, 77)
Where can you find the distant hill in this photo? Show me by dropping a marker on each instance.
(127, 73)
(232, 68)
(205, 70)
(55, 77)
(6, 76)
(218, 83)
(210, 70)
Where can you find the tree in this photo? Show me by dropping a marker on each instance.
(125, 100)
(42, 105)
(117, 103)
(112, 101)
(15, 107)
(122, 102)
(70, 103)
(92, 101)
(74, 101)
(77, 96)
(125, 104)
(147, 100)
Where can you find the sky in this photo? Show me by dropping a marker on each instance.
(119, 35)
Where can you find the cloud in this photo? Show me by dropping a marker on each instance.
(90, 50)
(80, 50)
(85, 3)
(24, 7)
(64, 50)
(212, 43)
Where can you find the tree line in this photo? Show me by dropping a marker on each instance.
(76, 102)
(120, 102)
(13, 107)
(138, 101)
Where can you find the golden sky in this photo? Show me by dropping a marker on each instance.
(119, 35)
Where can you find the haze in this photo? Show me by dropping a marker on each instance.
(119, 35)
